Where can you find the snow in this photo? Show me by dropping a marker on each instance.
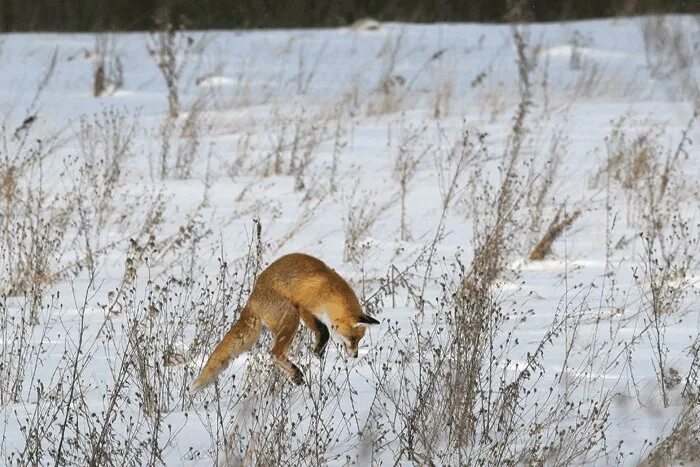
(258, 86)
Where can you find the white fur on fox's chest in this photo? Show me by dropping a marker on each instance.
(325, 318)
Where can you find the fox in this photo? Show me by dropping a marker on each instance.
(294, 288)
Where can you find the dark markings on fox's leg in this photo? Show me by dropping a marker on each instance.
(298, 377)
(318, 328)
(323, 336)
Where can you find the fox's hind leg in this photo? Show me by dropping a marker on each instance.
(284, 332)
(319, 329)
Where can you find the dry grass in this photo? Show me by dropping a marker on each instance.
(108, 70)
(682, 445)
(363, 210)
(672, 49)
(170, 47)
(562, 221)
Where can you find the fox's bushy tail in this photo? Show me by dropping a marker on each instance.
(240, 338)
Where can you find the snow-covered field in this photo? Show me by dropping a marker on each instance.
(519, 206)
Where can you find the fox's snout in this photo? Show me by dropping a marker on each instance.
(351, 347)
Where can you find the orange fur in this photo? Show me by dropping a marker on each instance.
(294, 288)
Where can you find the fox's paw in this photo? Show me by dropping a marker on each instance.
(298, 377)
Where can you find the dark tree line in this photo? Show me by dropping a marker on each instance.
(99, 15)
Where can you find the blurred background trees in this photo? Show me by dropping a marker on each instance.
(100, 15)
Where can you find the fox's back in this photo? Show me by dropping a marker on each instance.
(304, 280)
(292, 268)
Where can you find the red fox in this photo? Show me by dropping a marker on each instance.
(294, 287)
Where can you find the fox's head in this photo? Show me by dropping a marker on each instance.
(353, 331)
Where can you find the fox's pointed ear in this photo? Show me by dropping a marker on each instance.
(365, 320)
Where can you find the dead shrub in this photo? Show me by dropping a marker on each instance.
(170, 47)
(682, 444)
(108, 71)
(672, 46)
(562, 221)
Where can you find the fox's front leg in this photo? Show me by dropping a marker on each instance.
(283, 339)
(319, 329)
